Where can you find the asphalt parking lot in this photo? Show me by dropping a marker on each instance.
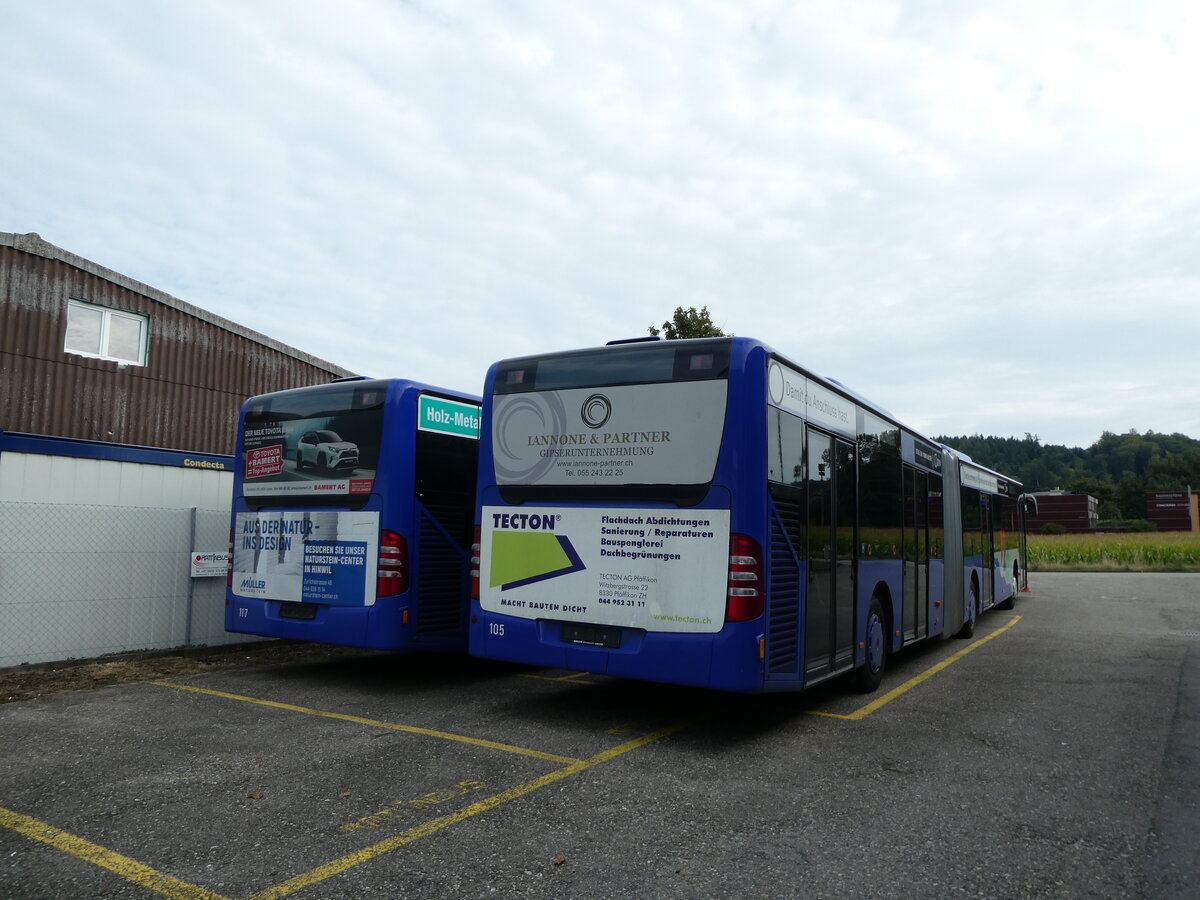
(1057, 754)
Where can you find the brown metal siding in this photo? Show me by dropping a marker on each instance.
(1075, 512)
(1170, 510)
(186, 397)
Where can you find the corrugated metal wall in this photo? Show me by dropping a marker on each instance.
(199, 367)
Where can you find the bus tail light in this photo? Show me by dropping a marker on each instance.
(745, 599)
(392, 577)
(475, 565)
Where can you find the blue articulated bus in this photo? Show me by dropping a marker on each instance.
(353, 510)
(709, 513)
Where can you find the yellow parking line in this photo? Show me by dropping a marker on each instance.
(149, 878)
(864, 711)
(129, 869)
(410, 729)
(337, 866)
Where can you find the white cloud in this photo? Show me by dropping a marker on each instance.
(982, 216)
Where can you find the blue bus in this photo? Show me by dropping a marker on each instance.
(709, 513)
(353, 512)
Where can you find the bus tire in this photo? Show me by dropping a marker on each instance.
(869, 675)
(968, 628)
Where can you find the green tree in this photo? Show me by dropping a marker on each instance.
(1103, 490)
(1175, 471)
(1131, 496)
(688, 323)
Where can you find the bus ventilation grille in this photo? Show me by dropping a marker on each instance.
(783, 602)
(439, 597)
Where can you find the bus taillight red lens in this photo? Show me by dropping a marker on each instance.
(475, 566)
(745, 598)
(392, 577)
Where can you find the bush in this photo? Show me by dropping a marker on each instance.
(1136, 525)
(1053, 528)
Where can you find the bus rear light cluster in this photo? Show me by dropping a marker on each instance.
(745, 597)
(475, 565)
(392, 576)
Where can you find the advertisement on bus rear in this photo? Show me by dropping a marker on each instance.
(661, 570)
(636, 434)
(316, 556)
(318, 443)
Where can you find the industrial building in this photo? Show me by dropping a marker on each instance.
(118, 414)
(1174, 510)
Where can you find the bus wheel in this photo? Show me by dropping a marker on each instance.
(299, 461)
(869, 675)
(968, 629)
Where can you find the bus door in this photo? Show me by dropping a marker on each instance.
(829, 601)
(988, 546)
(916, 556)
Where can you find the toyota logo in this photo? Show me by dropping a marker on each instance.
(595, 410)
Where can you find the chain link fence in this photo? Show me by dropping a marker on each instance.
(81, 581)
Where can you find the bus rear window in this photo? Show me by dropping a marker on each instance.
(313, 445)
(608, 366)
(630, 441)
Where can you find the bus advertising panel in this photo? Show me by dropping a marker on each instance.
(632, 434)
(301, 445)
(315, 556)
(658, 569)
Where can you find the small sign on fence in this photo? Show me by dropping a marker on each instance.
(213, 564)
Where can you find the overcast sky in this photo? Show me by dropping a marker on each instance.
(983, 216)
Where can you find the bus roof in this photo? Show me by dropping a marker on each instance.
(832, 384)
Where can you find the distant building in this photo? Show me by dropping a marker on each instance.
(1074, 512)
(88, 353)
(1173, 510)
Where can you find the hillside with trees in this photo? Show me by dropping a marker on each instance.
(1117, 470)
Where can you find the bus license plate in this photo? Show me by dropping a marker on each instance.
(591, 635)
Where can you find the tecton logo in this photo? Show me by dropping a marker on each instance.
(526, 557)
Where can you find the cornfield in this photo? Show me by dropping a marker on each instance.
(1142, 552)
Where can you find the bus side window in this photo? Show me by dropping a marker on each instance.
(791, 442)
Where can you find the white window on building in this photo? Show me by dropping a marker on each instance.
(102, 333)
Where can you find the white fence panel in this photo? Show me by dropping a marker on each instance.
(79, 581)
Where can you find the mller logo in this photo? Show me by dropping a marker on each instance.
(254, 584)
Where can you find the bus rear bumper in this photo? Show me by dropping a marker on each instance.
(727, 660)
